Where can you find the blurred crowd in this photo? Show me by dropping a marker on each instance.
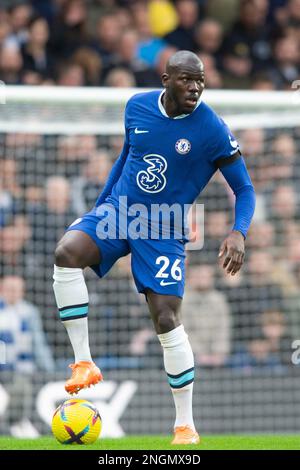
(246, 322)
(243, 43)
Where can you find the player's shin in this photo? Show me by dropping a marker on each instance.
(72, 301)
(179, 366)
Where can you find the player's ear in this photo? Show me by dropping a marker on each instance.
(165, 79)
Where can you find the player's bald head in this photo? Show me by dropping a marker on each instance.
(184, 60)
(184, 82)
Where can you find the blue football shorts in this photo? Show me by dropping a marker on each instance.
(158, 265)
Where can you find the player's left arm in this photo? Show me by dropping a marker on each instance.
(232, 249)
(226, 156)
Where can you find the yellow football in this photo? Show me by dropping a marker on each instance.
(76, 422)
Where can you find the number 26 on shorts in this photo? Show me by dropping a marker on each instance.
(175, 272)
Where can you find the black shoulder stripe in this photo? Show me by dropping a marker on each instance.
(224, 161)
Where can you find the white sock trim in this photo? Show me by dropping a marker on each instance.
(172, 338)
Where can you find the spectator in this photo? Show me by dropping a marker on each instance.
(293, 8)
(237, 67)
(293, 252)
(154, 80)
(289, 14)
(262, 82)
(269, 350)
(183, 36)
(35, 51)
(25, 153)
(225, 11)
(256, 356)
(206, 317)
(91, 63)
(124, 17)
(261, 235)
(10, 191)
(149, 47)
(209, 37)
(108, 34)
(283, 208)
(27, 353)
(19, 17)
(250, 37)
(120, 77)
(115, 144)
(72, 153)
(277, 12)
(69, 31)
(126, 57)
(253, 143)
(7, 207)
(5, 28)
(274, 328)
(34, 79)
(292, 230)
(215, 229)
(50, 220)
(13, 240)
(57, 195)
(252, 294)
(86, 188)
(21, 330)
(141, 344)
(11, 64)
(253, 147)
(9, 177)
(285, 68)
(215, 197)
(284, 144)
(71, 74)
(293, 305)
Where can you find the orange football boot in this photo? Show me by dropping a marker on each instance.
(84, 374)
(185, 435)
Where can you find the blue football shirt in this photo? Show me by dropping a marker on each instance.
(170, 160)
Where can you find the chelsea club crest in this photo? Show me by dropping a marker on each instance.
(183, 146)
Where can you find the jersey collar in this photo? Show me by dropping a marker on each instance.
(163, 111)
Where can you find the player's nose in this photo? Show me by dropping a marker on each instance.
(193, 86)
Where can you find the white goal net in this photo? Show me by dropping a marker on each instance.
(57, 148)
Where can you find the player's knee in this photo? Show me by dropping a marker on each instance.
(165, 320)
(65, 256)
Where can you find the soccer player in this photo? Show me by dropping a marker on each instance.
(173, 145)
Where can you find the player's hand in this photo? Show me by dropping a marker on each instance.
(232, 250)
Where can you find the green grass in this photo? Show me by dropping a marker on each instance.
(253, 442)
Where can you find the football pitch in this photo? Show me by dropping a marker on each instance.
(245, 442)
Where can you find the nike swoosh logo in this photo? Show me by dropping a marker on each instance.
(233, 143)
(136, 131)
(163, 283)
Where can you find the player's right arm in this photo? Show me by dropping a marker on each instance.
(114, 175)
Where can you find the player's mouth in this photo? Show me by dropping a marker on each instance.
(191, 101)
